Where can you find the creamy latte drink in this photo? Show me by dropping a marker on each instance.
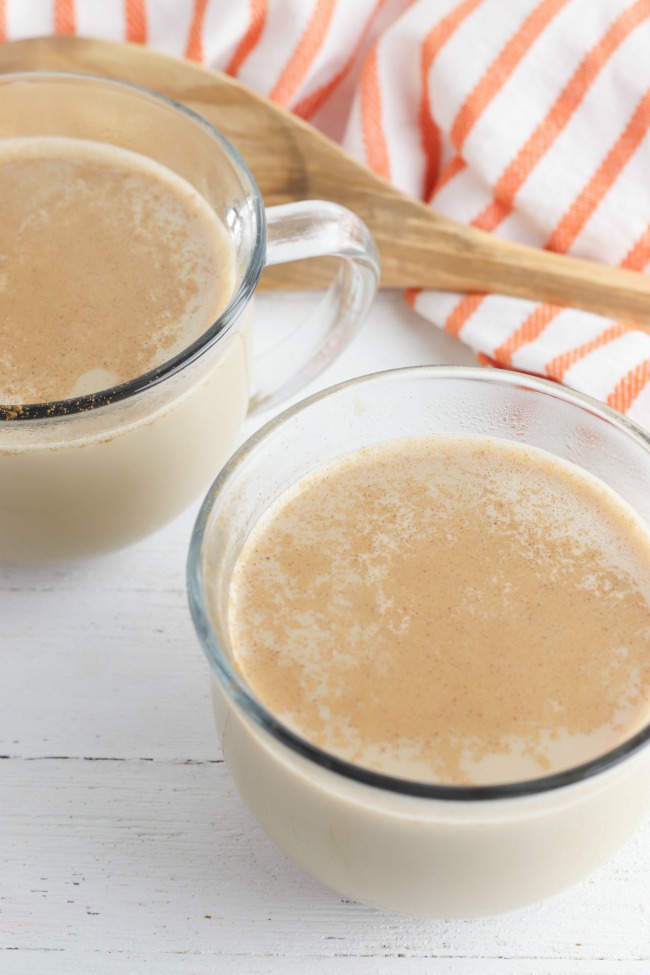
(425, 600)
(132, 243)
(453, 610)
(110, 264)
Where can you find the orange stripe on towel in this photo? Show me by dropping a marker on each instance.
(306, 50)
(135, 15)
(534, 325)
(309, 105)
(627, 390)
(431, 47)
(453, 167)
(603, 179)
(559, 115)
(194, 48)
(638, 256)
(502, 68)
(64, 17)
(547, 131)
(560, 365)
(636, 259)
(494, 79)
(374, 139)
(251, 38)
(463, 310)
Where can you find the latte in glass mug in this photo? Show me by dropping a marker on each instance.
(132, 241)
(111, 264)
(425, 600)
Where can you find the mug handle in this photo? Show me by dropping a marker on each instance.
(315, 228)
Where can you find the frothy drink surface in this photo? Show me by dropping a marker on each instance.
(449, 609)
(109, 265)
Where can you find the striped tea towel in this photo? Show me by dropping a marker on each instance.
(526, 118)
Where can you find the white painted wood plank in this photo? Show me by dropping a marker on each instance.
(194, 963)
(105, 672)
(113, 856)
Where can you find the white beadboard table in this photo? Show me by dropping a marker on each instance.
(123, 845)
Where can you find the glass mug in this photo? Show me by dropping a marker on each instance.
(86, 475)
(437, 851)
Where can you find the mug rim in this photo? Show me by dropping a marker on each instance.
(22, 412)
(236, 688)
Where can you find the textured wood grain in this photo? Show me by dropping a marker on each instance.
(292, 161)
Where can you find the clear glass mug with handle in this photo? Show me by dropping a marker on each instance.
(94, 473)
(436, 850)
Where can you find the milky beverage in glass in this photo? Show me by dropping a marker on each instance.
(132, 240)
(450, 610)
(130, 265)
(130, 260)
(431, 653)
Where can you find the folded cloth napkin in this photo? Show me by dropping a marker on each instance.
(529, 120)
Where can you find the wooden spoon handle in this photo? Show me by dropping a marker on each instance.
(449, 256)
(422, 249)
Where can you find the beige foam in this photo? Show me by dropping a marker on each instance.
(109, 265)
(451, 610)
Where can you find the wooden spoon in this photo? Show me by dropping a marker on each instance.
(292, 161)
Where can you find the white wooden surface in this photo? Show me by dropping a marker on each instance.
(123, 845)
